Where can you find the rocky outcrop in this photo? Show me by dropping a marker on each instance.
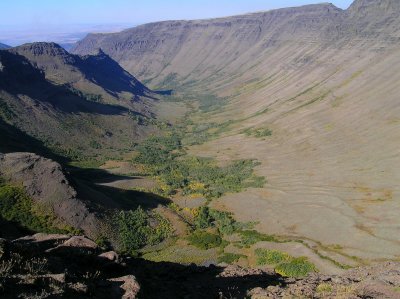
(45, 182)
(36, 266)
(379, 281)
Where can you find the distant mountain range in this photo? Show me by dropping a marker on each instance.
(4, 46)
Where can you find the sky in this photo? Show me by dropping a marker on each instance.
(69, 20)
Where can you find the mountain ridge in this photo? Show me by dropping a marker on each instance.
(4, 46)
(54, 111)
(84, 73)
(150, 50)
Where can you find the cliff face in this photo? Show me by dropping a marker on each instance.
(198, 49)
(205, 46)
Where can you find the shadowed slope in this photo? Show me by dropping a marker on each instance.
(96, 74)
(54, 114)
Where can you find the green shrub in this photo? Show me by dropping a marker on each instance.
(204, 240)
(251, 237)
(270, 257)
(284, 264)
(163, 157)
(258, 133)
(296, 267)
(134, 229)
(223, 221)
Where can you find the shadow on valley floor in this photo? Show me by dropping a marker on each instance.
(85, 181)
(88, 182)
(12, 230)
(88, 275)
(170, 280)
(168, 92)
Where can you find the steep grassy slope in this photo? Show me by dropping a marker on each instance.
(324, 81)
(53, 113)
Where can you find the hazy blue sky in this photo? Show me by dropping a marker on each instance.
(41, 18)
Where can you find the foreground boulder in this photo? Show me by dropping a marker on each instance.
(378, 281)
(59, 266)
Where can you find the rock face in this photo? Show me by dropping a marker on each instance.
(371, 7)
(198, 49)
(45, 182)
(379, 281)
(56, 266)
(185, 47)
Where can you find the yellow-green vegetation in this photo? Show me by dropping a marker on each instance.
(285, 264)
(182, 254)
(134, 229)
(230, 258)
(296, 267)
(251, 237)
(271, 257)
(16, 206)
(204, 240)
(324, 288)
(258, 133)
(164, 158)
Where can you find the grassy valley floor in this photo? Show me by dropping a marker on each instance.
(196, 189)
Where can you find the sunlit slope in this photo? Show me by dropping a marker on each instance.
(325, 81)
(332, 162)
